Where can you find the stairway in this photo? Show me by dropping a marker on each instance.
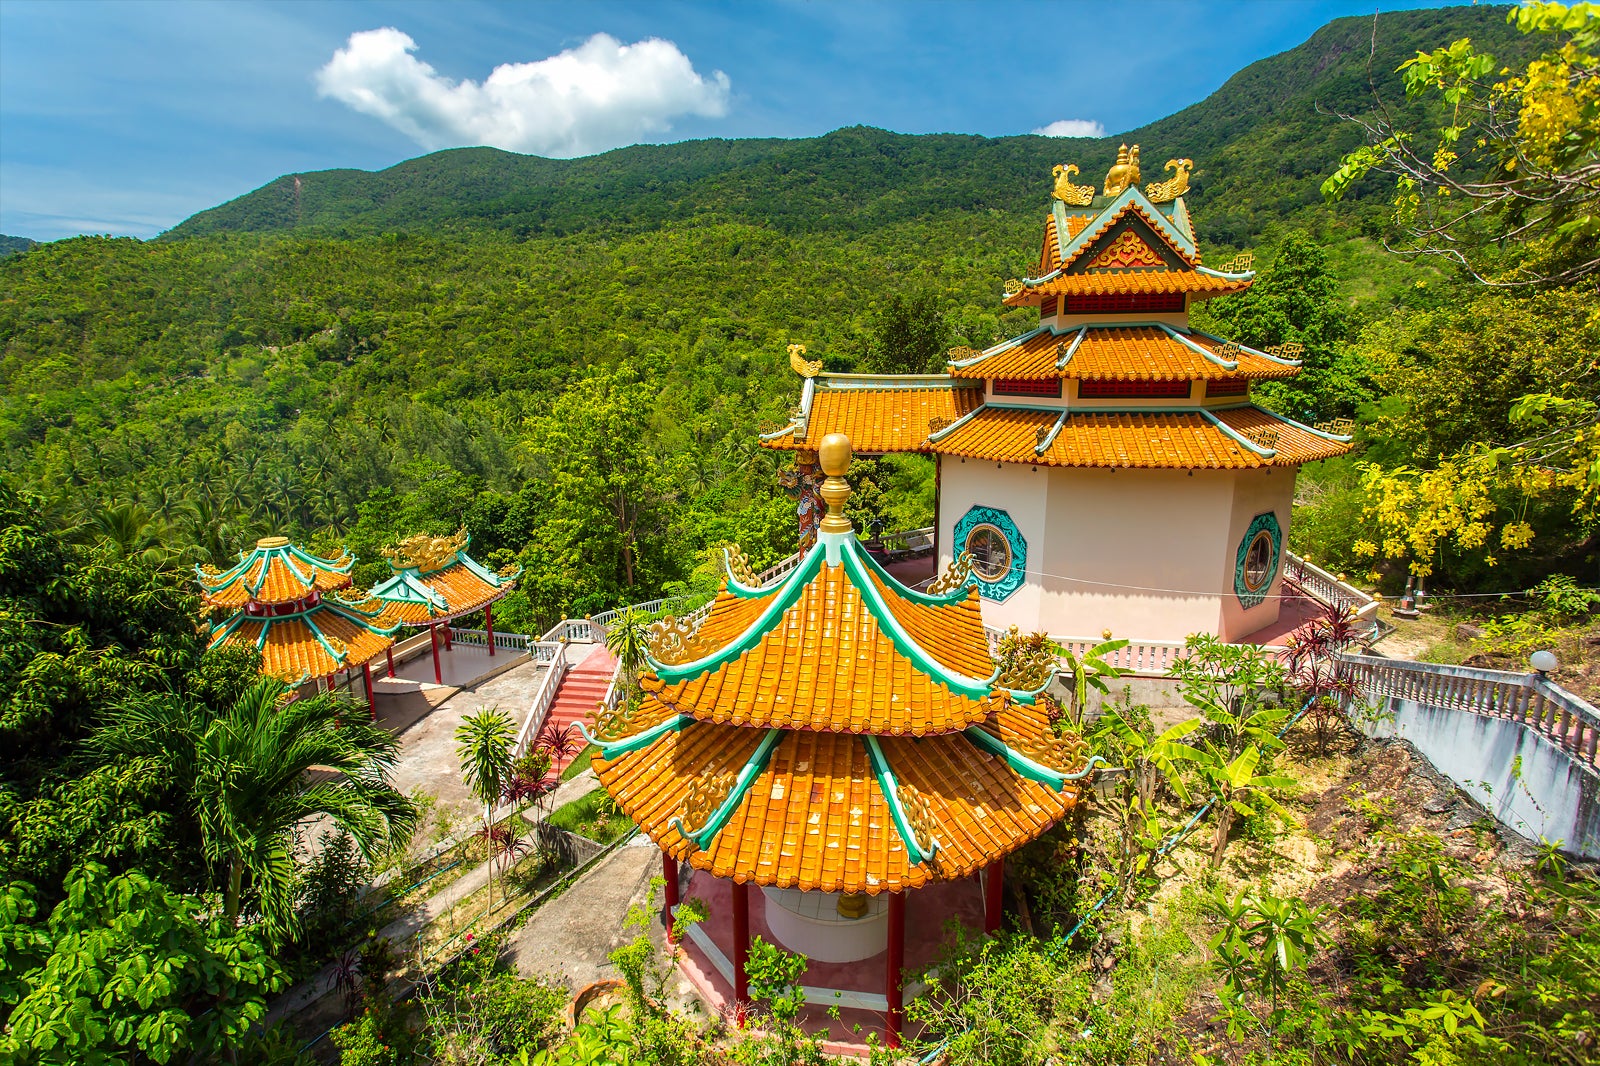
(580, 691)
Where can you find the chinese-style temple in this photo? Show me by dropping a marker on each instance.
(1106, 469)
(435, 581)
(840, 743)
(298, 611)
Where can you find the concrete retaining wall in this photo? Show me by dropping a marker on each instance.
(1519, 775)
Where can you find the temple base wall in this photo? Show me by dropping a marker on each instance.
(1148, 554)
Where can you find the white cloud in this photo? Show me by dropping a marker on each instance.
(600, 95)
(1072, 127)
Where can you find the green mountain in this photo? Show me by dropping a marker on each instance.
(1261, 144)
(377, 354)
(13, 245)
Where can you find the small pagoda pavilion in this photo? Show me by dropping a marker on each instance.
(299, 612)
(1106, 469)
(840, 742)
(436, 581)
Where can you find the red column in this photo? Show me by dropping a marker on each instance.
(991, 897)
(669, 871)
(896, 962)
(389, 651)
(741, 947)
(449, 641)
(433, 639)
(372, 697)
(488, 625)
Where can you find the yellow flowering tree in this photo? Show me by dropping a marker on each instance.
(1464, 499)
(1516, 163)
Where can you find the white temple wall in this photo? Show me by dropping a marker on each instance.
(1021, 492)
(1132, 551)
(1255, 492)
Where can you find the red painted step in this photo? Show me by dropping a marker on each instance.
(581, 691)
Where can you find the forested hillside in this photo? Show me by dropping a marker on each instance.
(1261, 145)
(379, 353)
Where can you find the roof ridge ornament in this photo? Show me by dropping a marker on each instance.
(1160, 192)
(426, 554)
(957, 575)
(1124, 173)
(833, 455)
(1066, 191)
(806, 368)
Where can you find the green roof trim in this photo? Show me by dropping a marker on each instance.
(915, 852)
(932, 599)
(788, 593)
(1033, 771)
(612, 749)
(1265, 453)
(751, 769)
(971, 687)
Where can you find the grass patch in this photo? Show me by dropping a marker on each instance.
(579, 764)
(593, 816)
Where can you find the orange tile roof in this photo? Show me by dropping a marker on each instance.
(1120, 353)
(879, 420)
(1169, 440)
(826, 663)
(1129, 281)
(457, 589)
(290, 649)
(275, 571)
(816, 817)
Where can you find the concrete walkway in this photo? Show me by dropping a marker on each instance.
(569, 938)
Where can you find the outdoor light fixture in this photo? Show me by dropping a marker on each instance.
(1543, 661)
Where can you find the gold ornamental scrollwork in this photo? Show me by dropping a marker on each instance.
(1287, 350)
(1029, 671)
(610, 723)
(706, 793)
(1242, 263)
(957, 575)
(1066, 191)
(1160, 192)
(1042, 433)
(1063, 754)
(739, 566)
(676, 640)
(1339, 427)
(919, 816)
(938, 422)
(962, 353)
(1265, 438)
(1012, 286)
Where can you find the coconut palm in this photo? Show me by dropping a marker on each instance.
(247, 770)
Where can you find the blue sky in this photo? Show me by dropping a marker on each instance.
(127, 117)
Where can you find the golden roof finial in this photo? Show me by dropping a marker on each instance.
(1125, 172)
(834, 457)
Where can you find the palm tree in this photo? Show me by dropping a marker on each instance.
(628, 638)
(247, 771)
(483, 744)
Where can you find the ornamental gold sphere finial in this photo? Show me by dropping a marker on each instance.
(833, 455)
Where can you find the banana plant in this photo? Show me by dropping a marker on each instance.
(1091, 670)
(1125, 737)
(1239, 790)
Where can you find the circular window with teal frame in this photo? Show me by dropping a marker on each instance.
(1257, 563)
(999, 552)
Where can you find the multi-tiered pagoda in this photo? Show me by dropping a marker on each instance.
(298, 611)
(1107, 469)
(838, 741)
(435, 581)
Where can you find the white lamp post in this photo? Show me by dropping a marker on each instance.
(1544, 662)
